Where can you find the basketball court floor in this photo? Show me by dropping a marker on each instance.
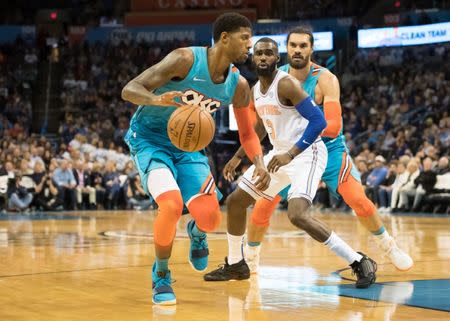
(96, 266)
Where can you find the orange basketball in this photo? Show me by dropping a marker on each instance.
(191, 128)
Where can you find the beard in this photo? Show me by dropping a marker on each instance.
(266, 71)
(300, 64)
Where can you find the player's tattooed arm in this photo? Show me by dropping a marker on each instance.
(175, 65)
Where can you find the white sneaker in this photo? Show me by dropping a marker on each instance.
(252, 258)
(401, 260)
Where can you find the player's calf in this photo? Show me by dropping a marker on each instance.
(206, 212)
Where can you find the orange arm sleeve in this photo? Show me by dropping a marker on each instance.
(245, 118)
(333, 115)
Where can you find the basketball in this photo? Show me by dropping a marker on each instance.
(191, 128)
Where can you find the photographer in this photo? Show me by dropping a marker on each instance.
(18, 196)
(46, 193)
(137, 198)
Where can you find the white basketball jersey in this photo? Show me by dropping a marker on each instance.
(283, 124)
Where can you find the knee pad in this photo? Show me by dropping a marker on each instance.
(263, 211)
(206, 212)
(169, 212)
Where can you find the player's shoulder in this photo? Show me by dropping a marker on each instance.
(324, 73)
(183, 55)
(242, 82)
(287, 80)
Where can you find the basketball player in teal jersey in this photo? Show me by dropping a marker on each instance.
(188, 76)
(341, 176)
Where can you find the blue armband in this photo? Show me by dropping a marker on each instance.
(317, 123)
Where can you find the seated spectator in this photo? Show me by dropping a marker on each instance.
(375, 178)
(8, 169)
(19, 198)
(442, 167)
(65, 183)
(408, 186)
(97, 179)
(46, 193)
(361, 165)
(400, 178)
(112, 185)
(84, 185)
(385, 189)
(137, 198)
(424, 184)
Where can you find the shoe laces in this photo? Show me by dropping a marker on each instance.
(163, 280)
(389, 246)
(200, 241)
(364, 267)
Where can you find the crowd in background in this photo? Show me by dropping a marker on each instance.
(395, 107)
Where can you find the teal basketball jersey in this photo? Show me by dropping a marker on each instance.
(150, 122)
(309, 86)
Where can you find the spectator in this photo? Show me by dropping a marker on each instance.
(375, 178)
(137, 198)
(442, 167)
(84, 186)
(97, 180)
(363, 170)
(18, 196)
(385, 189)
(412, 171)
(8, 170)
(111, 183)
(46, 193)
(65, 183)
(424, 184)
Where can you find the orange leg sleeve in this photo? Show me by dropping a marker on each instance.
(353, 194)
(170, 207)
(206, 212)
(263, 210)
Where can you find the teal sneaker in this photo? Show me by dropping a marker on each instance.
(198, 253)
(162, 289)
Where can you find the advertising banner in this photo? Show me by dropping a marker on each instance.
(404, 36)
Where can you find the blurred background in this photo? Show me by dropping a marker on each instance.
(63, 65)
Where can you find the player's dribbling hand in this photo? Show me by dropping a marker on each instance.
(229, 171)
(277, 161)
(263, 178)
(168, 99)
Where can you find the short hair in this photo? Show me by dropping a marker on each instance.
(302, 30)
(229, 22)
(267, 39)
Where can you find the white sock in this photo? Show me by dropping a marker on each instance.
(342, 249)
(235, 248)
(253, 250)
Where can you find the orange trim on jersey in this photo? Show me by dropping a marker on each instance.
(234, 69)
(208, 186)
(346, 168)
